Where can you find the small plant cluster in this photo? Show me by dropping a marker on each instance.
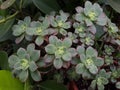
(69, 47)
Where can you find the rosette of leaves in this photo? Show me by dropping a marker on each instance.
(20, 29)
(88, 39)
(109, 60)
(91, 13)
(115, 74)
(81, 29)
(61, 50)
(108, 49)
(60, 23)
(89, 60)
(39, 29)
(23, 63)
(59, 77)
(100, 80)
(73, 37)
(111, 28)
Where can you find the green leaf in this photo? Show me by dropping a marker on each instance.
(101, 87)
(81, 50)
(4, 60)
(48, 58)
(99, 62)
(51, 85)
(67, 56)
(33, 66)
(93, 69)
(35, 55)
(5, 30)
(53, 40)
(67, 42)
(7, 4)
(93, 85)
(13, 59)
(88, 6)
(23, 75)
(80, 68)
(105, 74)
(91, 52)
(30, 48)
(21, 52)
(118, 85)
(8, 82)
(72, 51)
(36, 76)
(39, 40)
(46, 6)
(50, 49)
(104, 81)
(58, 63)
(115, 4)
(63, 31)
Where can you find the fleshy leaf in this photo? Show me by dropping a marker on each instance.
(80, 68)
(67, 42)
(91, 52)
(23, 75)
(118, 85)
(36, 76)
(67, 56)
(50, 49)
(58, 63)
(39, 40)
(35, 55)
(21, 52)
(93, 69)
(53, 40)
(81, 50)
(32, 66)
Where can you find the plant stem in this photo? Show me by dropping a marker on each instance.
(99, 51)
(9, 17)
(21, 3)
(27, 85)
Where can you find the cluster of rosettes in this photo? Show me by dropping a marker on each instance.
(65, 42)
(24, 62)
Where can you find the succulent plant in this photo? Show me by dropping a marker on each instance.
(39, 29)
(24, 62)
(111, 28)
(115, 74)
(60, 23)
(20, 30)
(101, 79)
(91, 14)
(83, 47)
(88, 39)
(108, 60)
(59, 77)
(108, 49)
(73, 37)
(89, 60)
(118, 85)
(81, 29)
(60, 49)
